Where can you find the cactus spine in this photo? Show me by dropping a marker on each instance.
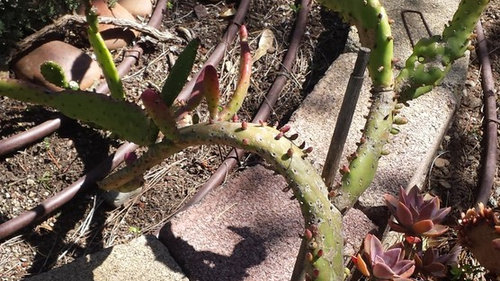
(432, 57)
(322, 219)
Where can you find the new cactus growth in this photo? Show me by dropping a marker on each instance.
(103, 55)
(479, 231)
(432, 57)
(54, 73)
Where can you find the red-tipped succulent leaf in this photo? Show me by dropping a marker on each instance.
(415, 215)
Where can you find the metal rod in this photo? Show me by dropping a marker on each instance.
(345, 116)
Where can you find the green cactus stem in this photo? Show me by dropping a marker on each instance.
(179, 73)
(125, 119)
(322, 219)
(432, 57)
(245, 72)
(161, 114)
(54, 73)
(103, 55)
(374, 30)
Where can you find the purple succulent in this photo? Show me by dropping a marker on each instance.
(383, 265)
(431, 263)
(415, 215)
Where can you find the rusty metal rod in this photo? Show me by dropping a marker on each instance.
(490, 136)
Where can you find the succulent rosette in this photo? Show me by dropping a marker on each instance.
(415, 215)
(432, 263)
(383, 265)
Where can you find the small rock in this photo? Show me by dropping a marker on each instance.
(77, 65)
(30, 182)
(445, 184)
(200, 11)
(141, 8)
(470, 83)
(114, 37)
(441, 162)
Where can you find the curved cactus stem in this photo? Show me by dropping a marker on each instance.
(432, 57)
(125, 119)
(323, 221)
(234, 104)
(179, 73)
(103, 55)
(161, 114)
(54, 73)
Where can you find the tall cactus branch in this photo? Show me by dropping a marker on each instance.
(323, 221)
(432, 57)
(374, 30)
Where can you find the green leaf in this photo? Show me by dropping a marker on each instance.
(54, 73)
(179, 73)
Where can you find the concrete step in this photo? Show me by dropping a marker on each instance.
(144, 258)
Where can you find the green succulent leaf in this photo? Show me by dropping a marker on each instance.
(54, 73)
(179, 73)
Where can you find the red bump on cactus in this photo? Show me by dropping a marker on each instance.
(245, 141)
(308, 150)
(285, 129)
(344, 170)
(289, 153)
(308, 234)
(416, 216)
(244, 125)
(278, 136)
(383, 265)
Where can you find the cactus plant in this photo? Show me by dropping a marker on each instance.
(383, 265)
(415, 215)
(479, 231)
(425, 68)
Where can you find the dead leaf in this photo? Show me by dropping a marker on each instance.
(228, 12)
(265, 44)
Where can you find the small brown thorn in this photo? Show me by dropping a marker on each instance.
(285, 129)
(246, 142)
(278, 136)
(244, 125)
(235, 118)
(309, 257)
(286, 189)
(262, 123)
(308, 150)
(302, 145)
(331, 194)
(315, 273)
(308, 235)
(391, 21)
(293, 137)
(320, 253)
(289, 153)
(344, 170)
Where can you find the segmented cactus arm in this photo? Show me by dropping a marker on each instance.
(323, 221)
(432, 57)
(125, 119)
(103, 55)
